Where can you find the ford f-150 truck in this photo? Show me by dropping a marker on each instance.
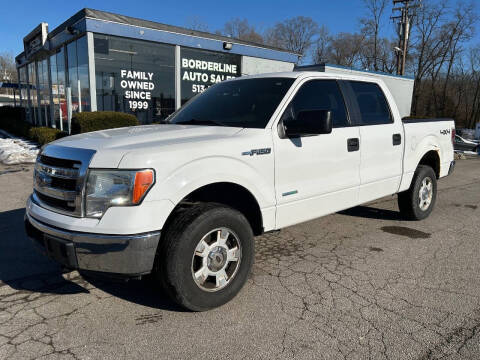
(183, 200)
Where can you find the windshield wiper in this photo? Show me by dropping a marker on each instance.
(199, 122)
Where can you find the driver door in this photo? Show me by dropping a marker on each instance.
(317, 175)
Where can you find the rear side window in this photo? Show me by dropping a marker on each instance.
(372, 104)
(320, 95)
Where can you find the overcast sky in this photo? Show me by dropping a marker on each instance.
(19, 17)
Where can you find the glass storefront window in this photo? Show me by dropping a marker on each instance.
(41, 113)
(43, 92)
(72, 74)
(135, 76)
(57, 70)
(33, 100)
(56, 104)
(62, 101)
(201, 69)
(23, 83)
(77, 60)
(82, 73)
(132, 76)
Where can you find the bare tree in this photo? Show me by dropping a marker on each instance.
(353, 50)
(384, 60)
(242, 30)
(371, 25)
(460, 30)
(296, 34)
(8, 70)
(473, 112)
(322, 46)
(196, 23)
(345, 49)
(427, 45)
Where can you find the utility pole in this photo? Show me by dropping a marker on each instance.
(404, 19)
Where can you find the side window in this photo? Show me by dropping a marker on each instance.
(372, 104)
(319, 95)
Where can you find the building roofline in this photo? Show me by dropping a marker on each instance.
(69, 22)
(34, 32)
(127, 20)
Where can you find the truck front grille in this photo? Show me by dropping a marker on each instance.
(59, 179)
(56, 203)
(63, 163)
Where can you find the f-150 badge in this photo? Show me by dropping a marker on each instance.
(252, 152)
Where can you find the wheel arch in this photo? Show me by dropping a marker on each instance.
(226, 193)
(431, 158)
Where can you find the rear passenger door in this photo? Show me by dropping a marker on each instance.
(381, 140)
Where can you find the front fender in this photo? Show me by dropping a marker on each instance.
(256, 177)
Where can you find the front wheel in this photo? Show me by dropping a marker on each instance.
(206, 256)
(417, 202)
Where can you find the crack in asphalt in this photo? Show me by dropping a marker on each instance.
(329, 285)
(354, 299)
(28, 308)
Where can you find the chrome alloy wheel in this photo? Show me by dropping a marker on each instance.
(216, 259)
(425, 194)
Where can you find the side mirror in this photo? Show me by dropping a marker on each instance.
(309, 122)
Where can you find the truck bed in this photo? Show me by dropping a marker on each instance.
(427, 133)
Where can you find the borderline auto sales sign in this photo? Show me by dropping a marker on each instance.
(201, 68)
(202, 72)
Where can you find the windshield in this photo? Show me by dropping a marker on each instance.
(247, 103)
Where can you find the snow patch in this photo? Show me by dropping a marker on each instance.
(17, 151)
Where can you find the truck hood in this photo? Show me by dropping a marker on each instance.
(111, 145)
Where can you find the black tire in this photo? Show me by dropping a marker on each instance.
(175, 256)
(409, 201)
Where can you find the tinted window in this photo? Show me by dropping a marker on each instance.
(319, 95)
(248, 103)
(201, 69)
(135, 76)
(372, 104)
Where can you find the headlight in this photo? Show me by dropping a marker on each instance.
(107, 188)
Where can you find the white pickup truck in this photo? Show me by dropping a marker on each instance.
(183, 200)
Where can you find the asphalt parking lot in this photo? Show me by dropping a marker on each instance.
(361, 284)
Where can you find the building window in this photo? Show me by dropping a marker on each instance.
(33, 100)
(57, 70)
(43, 92)
(61, 85)
(202, 68)
(135, 76)
(23, 84)
(77, 60)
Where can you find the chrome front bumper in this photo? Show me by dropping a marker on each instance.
(124, 255)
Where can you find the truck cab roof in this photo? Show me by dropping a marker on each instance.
(316, 74)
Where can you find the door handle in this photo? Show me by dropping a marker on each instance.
(353, 144)
(396, 139)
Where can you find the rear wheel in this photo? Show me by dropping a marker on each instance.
(205, 256)
(417, 202)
